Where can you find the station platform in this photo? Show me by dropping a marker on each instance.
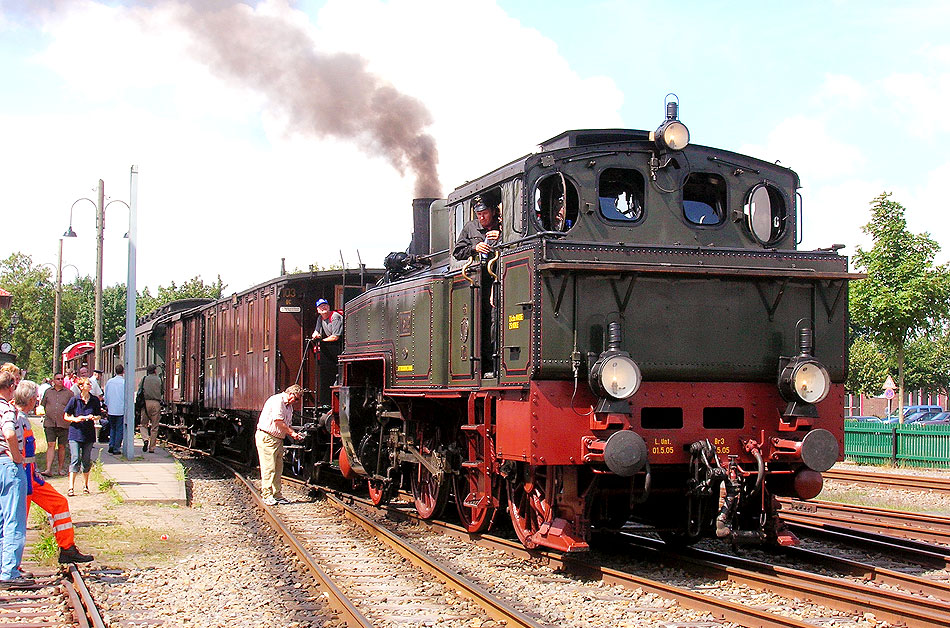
(149, 478)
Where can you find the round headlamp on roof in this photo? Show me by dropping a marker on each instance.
(672, 134)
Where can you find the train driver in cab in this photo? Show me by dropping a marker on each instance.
(329, 333)
(479, 235)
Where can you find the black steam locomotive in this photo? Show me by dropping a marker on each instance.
(644, 342)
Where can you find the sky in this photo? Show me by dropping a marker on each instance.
(302, 130)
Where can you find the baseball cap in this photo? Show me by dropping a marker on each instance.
(321, 302)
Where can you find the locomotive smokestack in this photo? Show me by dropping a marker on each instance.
(420, 226)
(320, 93)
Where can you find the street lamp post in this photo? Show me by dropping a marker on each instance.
(57, 308)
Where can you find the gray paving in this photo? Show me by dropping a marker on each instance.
(149, 478)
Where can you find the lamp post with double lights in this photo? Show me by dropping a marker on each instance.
(129, 418)
(101, 207)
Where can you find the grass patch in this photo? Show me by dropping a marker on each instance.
(180, 474)
(136, 544)
(855, 496)
(45, 551)
(105, 484)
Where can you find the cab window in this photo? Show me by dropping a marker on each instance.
(553, 211)
(765, 212)
(704, 199)
(621, 194)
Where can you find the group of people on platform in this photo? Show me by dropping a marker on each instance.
(21, 484)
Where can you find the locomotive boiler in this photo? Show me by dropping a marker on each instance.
(645, 342)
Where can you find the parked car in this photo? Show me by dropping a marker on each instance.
(864, 419)
(909, 410)
(941, 418)
(920, 416)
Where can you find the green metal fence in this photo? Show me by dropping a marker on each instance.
(898, 445)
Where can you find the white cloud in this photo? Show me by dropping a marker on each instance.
(226, 187)
(804, 144)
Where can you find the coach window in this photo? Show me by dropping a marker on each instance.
(621, 194)
(266, 316)
(704, 198)
(222, 334)
(212, 338)
(553, 211)
(237, 332)
(250, 325)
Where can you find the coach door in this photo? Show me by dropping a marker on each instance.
(289, 337)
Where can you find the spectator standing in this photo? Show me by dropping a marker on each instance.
(115, 406)
(329, 332)
(81, 412)
(46, 385)
(94, 389)
(69, 380)
(272, 427)
(55, 425)
(13, 487)
(39, 491)
(152, 393)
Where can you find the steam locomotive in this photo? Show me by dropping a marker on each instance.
(645, 342)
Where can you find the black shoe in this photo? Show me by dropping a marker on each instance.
(145, 446)
(17, 583)
(24, 573)
(73, 555)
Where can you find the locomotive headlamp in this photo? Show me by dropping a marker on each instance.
(616, 376)
(804, 379)
(672, 134)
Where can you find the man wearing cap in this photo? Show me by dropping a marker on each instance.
(478, 236)
(329, 333)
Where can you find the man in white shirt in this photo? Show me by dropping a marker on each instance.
(115, 404)
(272, 427)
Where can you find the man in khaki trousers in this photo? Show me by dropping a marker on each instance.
(152, 393)
(272, 427)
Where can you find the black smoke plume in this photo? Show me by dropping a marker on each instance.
(326, 94)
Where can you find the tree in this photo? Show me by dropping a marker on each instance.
(194, 288)
(904, 294)
(33, 305)
(867, 368)
(928, 363)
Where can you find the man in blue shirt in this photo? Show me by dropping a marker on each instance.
(115, 404)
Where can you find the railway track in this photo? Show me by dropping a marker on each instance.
(861, 591)
(919, 537)
(890, 480)
(891, 596)
(58, 599)
(376, 578)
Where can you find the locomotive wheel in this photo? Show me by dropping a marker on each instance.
(528, 506)
(476, 518)
(301, 465)
(379, 492)
(429, 495)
